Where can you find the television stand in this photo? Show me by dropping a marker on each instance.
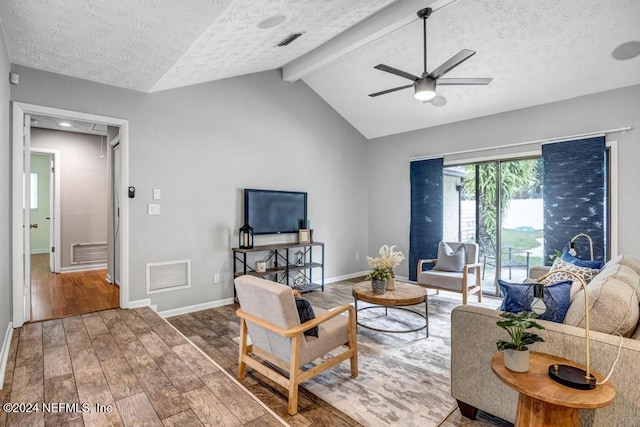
(284, 267)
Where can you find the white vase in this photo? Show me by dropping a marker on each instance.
(516, 360)
(391, 284)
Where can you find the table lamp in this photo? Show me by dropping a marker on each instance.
(572, 376)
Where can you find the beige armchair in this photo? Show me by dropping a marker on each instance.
(466, 282)
(269, 315)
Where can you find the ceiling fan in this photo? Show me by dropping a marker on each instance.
(425, 85)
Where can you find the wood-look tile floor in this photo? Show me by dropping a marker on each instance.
(67, 294)
(130, 361)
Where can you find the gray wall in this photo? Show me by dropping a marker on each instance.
(5, 192)
(388, 157)
(83, 187)
(201, 145)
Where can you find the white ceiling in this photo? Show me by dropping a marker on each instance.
(537, 51)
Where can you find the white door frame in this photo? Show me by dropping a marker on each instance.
(55, 207)
(20, 312)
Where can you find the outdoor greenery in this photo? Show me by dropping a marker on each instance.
(515, 325)
(519, 178)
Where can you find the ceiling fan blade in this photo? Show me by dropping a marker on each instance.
(390, 90)
(451, 63)
(462, 81)
(395, 71)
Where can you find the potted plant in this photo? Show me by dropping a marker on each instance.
(516, 351)
(378, 277)
(389, 259)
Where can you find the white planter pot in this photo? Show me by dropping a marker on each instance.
(517, 361)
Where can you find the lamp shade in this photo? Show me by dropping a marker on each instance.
(425, 89)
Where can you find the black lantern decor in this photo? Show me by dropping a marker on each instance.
(245, 237)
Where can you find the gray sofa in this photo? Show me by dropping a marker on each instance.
(614, 304)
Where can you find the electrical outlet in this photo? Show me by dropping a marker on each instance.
(153, 209)
(357, 257)
(216, 278)
(156, 194)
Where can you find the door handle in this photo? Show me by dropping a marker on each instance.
(33, 226)
(47, 218)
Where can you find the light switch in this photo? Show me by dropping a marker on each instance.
(156, 194)
(153, 209)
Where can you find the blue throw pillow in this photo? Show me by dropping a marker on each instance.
(305, 312)
(594, 265)
(519, 297)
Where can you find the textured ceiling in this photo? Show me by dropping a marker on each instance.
(234, 45)
(537, 51)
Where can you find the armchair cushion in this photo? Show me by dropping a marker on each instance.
(519, 297)
(305, 313)
(445, 279)
(450, 258)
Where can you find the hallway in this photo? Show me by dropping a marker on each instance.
(67, 294)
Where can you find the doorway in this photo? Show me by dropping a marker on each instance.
(80, 182)
(21, 178)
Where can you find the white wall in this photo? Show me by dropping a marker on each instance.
(201, 145)
(388, 157)
(5, 192)
(83, 187)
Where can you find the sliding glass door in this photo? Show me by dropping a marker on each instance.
(499, 206)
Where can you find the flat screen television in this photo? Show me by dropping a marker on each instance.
(275, 212)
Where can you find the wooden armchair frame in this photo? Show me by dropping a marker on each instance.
(466, 289)
(296, 375)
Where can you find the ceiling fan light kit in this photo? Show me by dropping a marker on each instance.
(425, 89)
(425, 85)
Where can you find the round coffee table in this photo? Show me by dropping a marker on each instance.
(544, 402)
(404, 294)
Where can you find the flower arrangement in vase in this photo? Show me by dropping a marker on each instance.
(388, 258)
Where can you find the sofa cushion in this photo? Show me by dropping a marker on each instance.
(613, 307)
(587, 274)
(595, 265)
(625, 260)
(623, 273)
(519, 297)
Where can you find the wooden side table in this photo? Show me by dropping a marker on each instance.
(544, 402)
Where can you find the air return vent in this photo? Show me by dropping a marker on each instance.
(168, 276)
(88, 253)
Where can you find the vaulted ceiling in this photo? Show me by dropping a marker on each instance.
(536, 51)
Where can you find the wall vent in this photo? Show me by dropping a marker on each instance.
(89, 253)
(168, 276)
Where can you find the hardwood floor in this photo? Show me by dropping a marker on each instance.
(132, 363)
(215, 332)
(68, 294)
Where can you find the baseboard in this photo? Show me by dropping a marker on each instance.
(346, 276)
(196, 307)
(140, 303)
(109, 279)
(39, 251)
(4, 352)
(77, 268)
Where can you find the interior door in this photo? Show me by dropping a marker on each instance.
(116, 212)
(26, 245)
(52, 216)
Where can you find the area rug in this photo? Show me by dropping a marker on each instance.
(404, 379)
